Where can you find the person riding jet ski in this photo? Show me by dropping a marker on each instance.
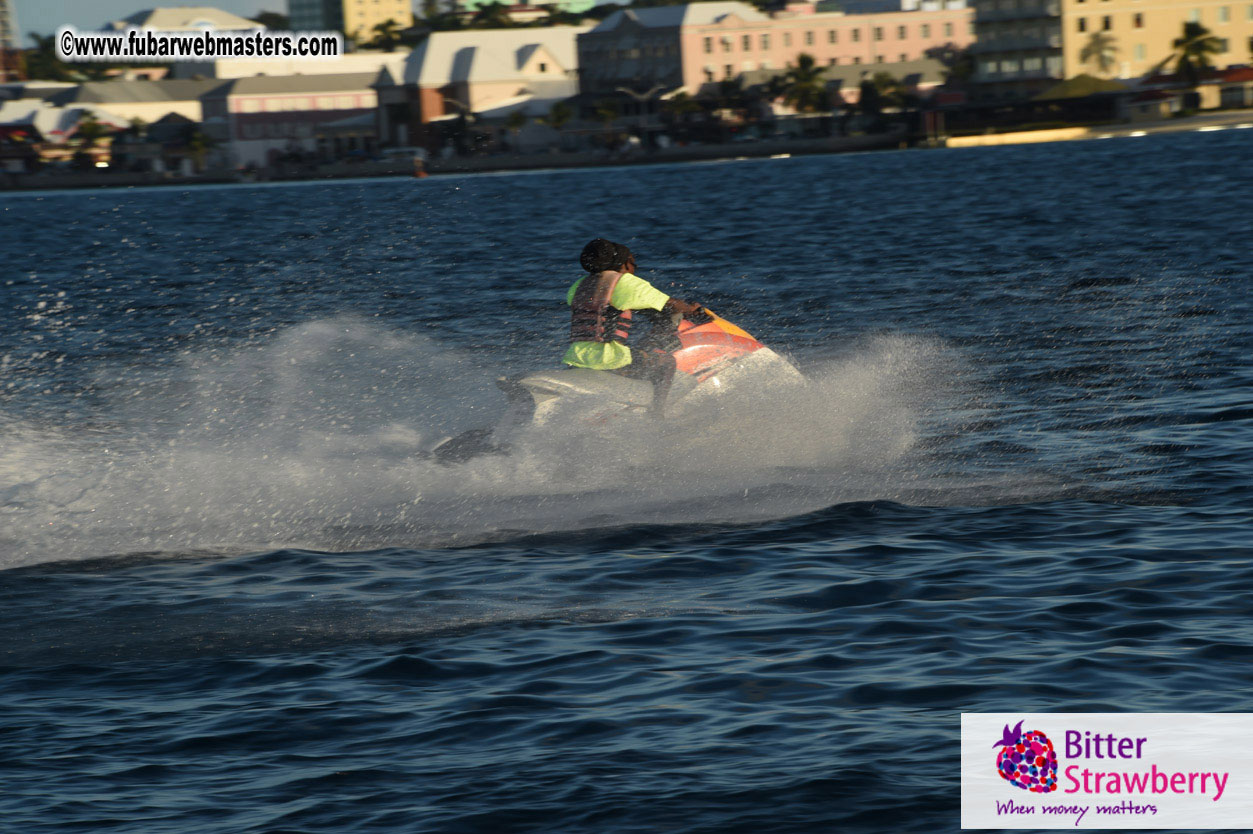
(601, 306)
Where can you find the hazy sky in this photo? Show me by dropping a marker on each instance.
(46, 16)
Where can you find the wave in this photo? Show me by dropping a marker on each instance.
(313, 438)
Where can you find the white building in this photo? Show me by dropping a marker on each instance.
(183, 19)
(490, 73)
(247, 67)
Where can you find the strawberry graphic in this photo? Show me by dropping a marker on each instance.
(1027, 760)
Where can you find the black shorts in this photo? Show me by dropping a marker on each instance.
(649, 365)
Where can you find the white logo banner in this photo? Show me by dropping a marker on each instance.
(1106, 770)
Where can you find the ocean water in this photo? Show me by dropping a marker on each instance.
(236, 598)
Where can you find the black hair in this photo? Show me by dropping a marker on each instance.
(601, 254)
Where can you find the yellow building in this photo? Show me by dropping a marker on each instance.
(355, 18)
(1024, 46)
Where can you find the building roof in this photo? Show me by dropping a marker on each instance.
(691, 14)
(183, 17)
(106, 92)
(482, 55)
(345, 82)
(1081, 86)
(33, 89)
(54, 123)
(1233, 74)
(1229, 75)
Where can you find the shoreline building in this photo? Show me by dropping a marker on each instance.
(225, 68)
(1027, 46)
(9, 38)
(183, 19)
(687, 47)
(10, 55)
(569, 6)
(355, 18)
(487, 73)
(263, 117)
(149, 101)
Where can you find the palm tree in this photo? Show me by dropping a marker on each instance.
(386, 35)
(959, 64)
(89, 130)
(197, 144)
(1192, 52)
(514, 122)
(1101, 52)
(804, 88)
(607, 111)
(559, 115)
(680, 105)
(492, 16)
(892, 93)
(42, 62)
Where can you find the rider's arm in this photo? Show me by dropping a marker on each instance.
(678, 305)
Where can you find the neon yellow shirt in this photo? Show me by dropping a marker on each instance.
(630, 293)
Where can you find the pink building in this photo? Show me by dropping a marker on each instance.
(258, 118)
(700, 43)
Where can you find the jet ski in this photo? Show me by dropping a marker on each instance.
(711, 356)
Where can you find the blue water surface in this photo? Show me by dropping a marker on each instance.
(237, 598)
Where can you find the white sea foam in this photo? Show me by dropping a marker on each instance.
(312, 440)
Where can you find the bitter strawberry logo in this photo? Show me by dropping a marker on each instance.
(1027, 760)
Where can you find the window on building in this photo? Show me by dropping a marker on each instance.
(900, 33)
(1224, 14)
(1137, 20)
(878, 59)
(787, 38)
(988, 68)
(856, 59)
(543, 67)
(709, 74)
(948, 30)
(1032, 64)
(709, 45)
(809, 39)
(832, 61)
(1194, 16)
(1139, 52)
(726, 71)
(831, 37)
(746, 42)
(1083, 24)
(1009, 67)
(1224, 44)
(902, 57)
(1107, 23)
(856, 35)
(765, 41)
(878, 33)
(926, 30)
(1248, 12)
